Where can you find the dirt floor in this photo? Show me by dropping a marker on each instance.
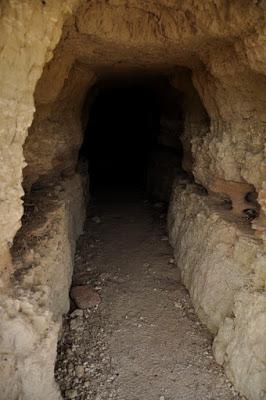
(143, 341)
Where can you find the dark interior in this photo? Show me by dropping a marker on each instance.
(123, 131)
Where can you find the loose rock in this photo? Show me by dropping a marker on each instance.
(71, 394)
(79, 371)
(85, 297)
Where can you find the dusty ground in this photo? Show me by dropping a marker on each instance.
(143, 342)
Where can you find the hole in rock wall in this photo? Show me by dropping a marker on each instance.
(133, 135)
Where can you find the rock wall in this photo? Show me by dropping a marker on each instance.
(196, 121)
(54, 139)
(222, 263)
(30, 307)
(31, 319)
(220, 247)
(29, 32)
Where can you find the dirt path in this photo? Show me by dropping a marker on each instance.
(143, 342)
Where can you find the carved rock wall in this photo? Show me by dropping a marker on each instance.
(29, 32)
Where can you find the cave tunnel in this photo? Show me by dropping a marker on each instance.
(133, 200)
(122, 154)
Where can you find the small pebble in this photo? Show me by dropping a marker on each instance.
(76, 313)
(71, 393)
(79, 371)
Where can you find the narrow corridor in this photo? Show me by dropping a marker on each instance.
(143, 341)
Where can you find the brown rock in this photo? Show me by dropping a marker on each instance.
(85, 297)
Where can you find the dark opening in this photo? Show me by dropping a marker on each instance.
(131, 128)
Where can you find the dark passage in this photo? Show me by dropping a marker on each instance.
(127, 127)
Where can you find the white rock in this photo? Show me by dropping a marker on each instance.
(79, 371)
(71, 394)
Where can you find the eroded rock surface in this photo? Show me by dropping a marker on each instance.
(31, 318)
(222, 265)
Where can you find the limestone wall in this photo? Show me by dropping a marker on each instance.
(29, 329)
(29, 32)
(31, 318)
(222, 264)
(196, 120)
(55, 136)
(220, 249)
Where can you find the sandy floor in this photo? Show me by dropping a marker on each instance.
(143, 342)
